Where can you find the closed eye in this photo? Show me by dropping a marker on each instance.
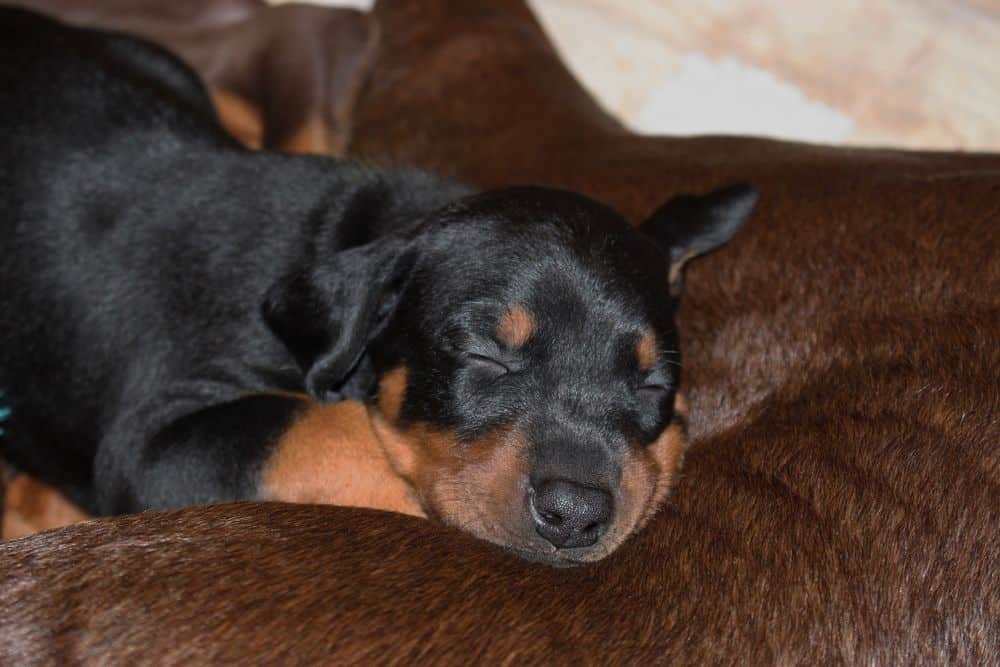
(657, 382)
(488, 363)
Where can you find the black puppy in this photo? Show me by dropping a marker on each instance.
(171, 303)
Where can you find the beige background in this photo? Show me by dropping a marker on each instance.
(916, 73)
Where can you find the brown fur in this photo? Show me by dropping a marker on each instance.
(647, 350)
(391, 391)
(240, 118)
(480, 486)
(839, 501)
(29, 506)
(330, 455)
(516, 326)
(140, 17)
(283, 78)
(310, 137)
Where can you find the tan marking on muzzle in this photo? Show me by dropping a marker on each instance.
(478, 486)
(648, 474)
(392, 392)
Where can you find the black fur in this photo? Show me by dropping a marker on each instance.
(161, 285)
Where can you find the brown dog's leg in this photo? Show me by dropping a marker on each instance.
(284, 78)
(313, 62)
(31, 507)
(287, 78)
(145, 17)
(240, 117)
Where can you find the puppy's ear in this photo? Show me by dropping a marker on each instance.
(326, 312)
(689, 226)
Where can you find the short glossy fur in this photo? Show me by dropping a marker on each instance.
(839, 498)
(174, 304)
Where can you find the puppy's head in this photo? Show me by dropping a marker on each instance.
(525, 358)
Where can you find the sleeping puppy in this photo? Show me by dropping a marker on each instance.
(179, 316)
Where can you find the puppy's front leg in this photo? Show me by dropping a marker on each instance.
(262, 447)
(331, 455)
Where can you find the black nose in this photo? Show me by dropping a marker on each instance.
(570, 515)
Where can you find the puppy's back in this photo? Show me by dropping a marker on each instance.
(93, 128)
(82, 86)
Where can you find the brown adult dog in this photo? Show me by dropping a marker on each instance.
(839, 504)
(283, 77)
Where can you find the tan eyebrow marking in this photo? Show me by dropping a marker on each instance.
(646, 350)
(516, 326)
